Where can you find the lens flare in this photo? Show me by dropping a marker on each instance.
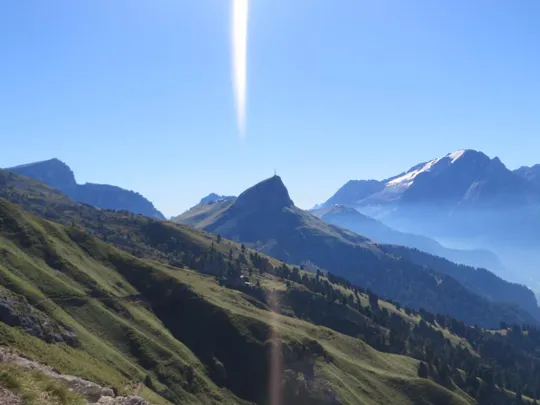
(275, 388)
(239, 50)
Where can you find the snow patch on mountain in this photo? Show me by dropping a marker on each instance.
(456, 155)
(407, 179)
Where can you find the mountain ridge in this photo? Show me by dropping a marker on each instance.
(470, 172)
(350, 218)
(213, 197)
(59, 175)
(464, 194)
(531, 173)
(264, 217)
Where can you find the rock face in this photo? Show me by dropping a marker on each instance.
(267, 195)
(16, 311)
(131, 400)
(8, 398)
(53, 172)
(58, 175)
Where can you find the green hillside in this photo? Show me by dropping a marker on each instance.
(130, 318)
(218, 334)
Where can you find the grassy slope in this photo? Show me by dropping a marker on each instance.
(203, 214)
(360, 373)
(126, 324)
(109, 326)
(34, 388)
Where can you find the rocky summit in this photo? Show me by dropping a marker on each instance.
(267, 195)
(57, 174)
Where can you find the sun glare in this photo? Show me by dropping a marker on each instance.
(239, 49)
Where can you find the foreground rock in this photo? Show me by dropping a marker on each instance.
(8, 398)
(131, 400)
(15, 310)
(92, 392)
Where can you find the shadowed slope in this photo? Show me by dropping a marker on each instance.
(265, 217)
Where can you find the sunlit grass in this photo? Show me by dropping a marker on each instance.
(35, 388)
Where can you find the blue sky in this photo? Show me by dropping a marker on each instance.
(138, 93)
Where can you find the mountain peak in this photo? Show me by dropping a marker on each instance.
(527, 172)
(471, 155)
(209, 198)
(463, 153)
(213, 197)
(531, 174)
(268, 194)
(53, 172)
(59, 175)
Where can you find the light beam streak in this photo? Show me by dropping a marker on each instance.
(239, 51)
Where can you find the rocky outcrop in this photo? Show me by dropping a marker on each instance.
(93, 393)
(53, 172)
(8, 398)
(131, 400)
(268, 194)
(15, 310)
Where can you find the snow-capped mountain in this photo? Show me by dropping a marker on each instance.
(461, 193)
(465, 199)
(464, 176)
(434, 166)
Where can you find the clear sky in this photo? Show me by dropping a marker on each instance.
(137, 93)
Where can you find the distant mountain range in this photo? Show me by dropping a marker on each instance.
(351, 219)
(459, 180)
(463, 199)
(460, 194)
(264, 217)
(364, 225)
(57, 174)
